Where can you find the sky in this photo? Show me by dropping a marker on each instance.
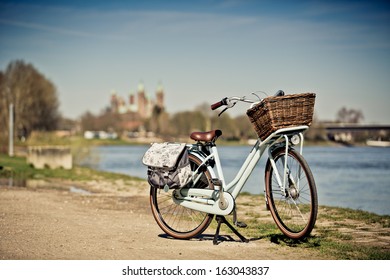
(202, 51)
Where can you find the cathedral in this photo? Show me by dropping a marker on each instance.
(139, 103)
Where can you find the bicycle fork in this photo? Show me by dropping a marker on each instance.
(286, 176)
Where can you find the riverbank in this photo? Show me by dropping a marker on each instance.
(98, 215)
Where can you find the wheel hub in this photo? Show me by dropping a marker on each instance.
(294, 193)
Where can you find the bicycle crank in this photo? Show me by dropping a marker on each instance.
(223, 203)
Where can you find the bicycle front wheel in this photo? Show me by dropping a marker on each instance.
(294, 209)
(176, 220)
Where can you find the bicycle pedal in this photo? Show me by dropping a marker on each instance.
(241, 224)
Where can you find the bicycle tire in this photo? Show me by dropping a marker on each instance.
(295, 210)
(175, 220)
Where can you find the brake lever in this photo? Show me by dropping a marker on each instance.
(222, 111)
(228, 106)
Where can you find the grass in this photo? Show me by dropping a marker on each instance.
(42, 138)
(343, 247)
(340, 233)
(17, 168)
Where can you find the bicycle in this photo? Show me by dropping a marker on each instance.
(290, 190)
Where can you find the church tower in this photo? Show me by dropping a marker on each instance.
(160, 96)
(142, 102)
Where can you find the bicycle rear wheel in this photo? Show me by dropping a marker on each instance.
(294, 210)
(176, 220)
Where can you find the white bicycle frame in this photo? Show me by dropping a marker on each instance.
(221, 201)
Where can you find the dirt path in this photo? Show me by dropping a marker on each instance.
(42, 223)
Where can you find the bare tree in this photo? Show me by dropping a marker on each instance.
(183, 123)
(34, 98)
(89, 121)
(345, 115)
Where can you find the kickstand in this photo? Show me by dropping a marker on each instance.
(220, 220)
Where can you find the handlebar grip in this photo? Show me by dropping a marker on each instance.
(216, 105)
(219, 104)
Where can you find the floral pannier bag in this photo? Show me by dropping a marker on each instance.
(168, 165)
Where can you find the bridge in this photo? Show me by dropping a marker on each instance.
(348, 127)
(349, 132)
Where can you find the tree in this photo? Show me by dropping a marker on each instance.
(245, 128)
(345, 115)
(228, 126)
(206, 111)
(183, 123)
(34, 98)
(3, 114)
(88, 121)
(159, 122)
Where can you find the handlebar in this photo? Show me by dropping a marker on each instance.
(219, 104)
(229, 102)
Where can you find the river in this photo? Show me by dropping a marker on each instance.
(352, 177)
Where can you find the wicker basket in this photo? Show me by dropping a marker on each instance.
(274, 113)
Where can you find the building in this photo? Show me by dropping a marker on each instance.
(140, 103)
